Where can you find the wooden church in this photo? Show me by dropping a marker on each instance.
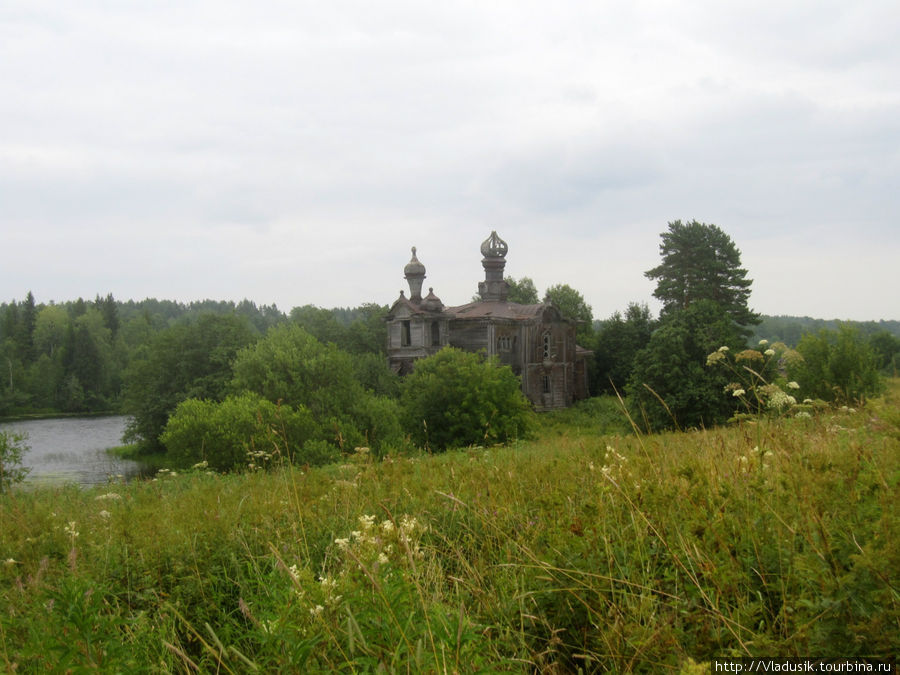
(536, 341)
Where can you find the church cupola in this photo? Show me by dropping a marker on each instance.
(493, 288)
(414, 272)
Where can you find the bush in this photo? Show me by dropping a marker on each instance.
(12, 447)
(838, 366)
(456, 398)
(292, 367)
(670, 384)
(243, 430)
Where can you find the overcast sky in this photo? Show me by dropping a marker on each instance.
(292, 152)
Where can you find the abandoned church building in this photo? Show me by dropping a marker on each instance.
(536, 341)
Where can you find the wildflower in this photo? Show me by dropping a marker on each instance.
(383, 559)
(387, 526)
(104, 514)
(769, 352)
(803, 415)
(70, 529)
(9, 562)
(200, 465)
(743, 459)
(737, 393)
(367, 522)
(792, 385)
(294, 572)
(763, 342)
(108, 496)
(342, 544)
(714, 358)
(315, 611)
(723, 349)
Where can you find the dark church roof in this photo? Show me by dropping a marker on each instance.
(497, 309)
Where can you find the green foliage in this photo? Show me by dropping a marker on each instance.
(188, 360)
(12, 447)
(670, 385)
(839, 366)
(522, 291)
(617, 342)
(887, 350)
(359, 331)
(456, 398)
(701, 262)
(292, 367)
(571, 305)
(240, 431)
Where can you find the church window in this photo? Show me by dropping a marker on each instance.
(435, 333)
(504, 343)
(545, 384)
(405, 334)
(545, 345)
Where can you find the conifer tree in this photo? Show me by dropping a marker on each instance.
(701, 262)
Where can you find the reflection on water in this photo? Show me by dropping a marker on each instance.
(73, 450)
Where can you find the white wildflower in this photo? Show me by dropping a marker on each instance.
(383, 559)
(367, 522)
(737, 393)
(70, 529)
(763, 342)
(342, 544)
(104, 514)
(315, 611)
(108, 496)
(769, 352)
(793, 385)
(723, 349)
(387, 526)
(200, 465)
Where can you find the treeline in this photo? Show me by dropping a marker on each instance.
(78, 356)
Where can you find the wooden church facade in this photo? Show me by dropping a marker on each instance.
(536, 341)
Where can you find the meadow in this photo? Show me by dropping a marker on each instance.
(587, 548)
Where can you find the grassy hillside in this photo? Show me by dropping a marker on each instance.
(576, 550)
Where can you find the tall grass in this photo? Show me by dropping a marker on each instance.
(575, 551)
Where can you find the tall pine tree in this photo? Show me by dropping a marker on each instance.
(701, 262)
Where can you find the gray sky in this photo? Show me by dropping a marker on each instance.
(292, 152)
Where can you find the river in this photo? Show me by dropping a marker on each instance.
(73, 450)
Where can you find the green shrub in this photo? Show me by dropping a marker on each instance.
(457, 398)
(242, 430)
(12, 447)
(838, 366)
(291, 367)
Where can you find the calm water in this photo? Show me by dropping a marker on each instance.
(73, 450)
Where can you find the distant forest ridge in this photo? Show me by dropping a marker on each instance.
(789, 329)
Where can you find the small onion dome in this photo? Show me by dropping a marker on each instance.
(494, 246)
(414, 267)
(432, 302)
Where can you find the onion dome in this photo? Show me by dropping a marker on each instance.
(494, 246)
(414, 267)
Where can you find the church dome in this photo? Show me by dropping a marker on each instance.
(494, 246)
(414, 267)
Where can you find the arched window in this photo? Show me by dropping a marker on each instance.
(545, 345)
(435, 333)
